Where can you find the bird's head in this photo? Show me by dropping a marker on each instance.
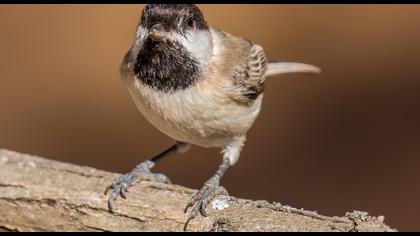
(181, 25)
(171, 39)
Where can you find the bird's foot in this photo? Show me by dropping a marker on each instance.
(207, 193)
(141, 172)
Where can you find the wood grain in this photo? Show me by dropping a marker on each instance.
(38, 194)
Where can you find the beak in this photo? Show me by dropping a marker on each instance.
(155, 31)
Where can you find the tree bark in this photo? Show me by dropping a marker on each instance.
(37, 194)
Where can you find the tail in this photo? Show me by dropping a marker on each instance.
(279, 68)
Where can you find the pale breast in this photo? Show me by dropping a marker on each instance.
(202, 114)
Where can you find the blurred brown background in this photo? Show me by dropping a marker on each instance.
(348, 141)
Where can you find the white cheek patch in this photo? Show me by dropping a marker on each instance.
(139, 40)
(216, 42)
(197, 43)
(141, 33)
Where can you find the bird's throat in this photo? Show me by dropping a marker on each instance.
(166, 66)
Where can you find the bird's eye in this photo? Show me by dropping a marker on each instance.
(189, 21)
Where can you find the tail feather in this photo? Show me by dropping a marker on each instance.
(278, 68)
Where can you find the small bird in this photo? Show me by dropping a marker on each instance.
(199, 86)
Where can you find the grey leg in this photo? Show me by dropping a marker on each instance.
(210, 190)
(142, 171)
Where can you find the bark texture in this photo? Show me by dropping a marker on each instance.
(37, 194)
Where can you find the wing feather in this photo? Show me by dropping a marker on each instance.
(249, 76)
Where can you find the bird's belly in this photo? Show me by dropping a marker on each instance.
(195, 115)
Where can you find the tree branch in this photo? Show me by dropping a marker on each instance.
(37, 194)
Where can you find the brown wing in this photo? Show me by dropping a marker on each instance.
(249, 75)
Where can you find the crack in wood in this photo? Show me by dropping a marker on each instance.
(11, 186)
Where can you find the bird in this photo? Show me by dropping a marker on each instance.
(197, 84)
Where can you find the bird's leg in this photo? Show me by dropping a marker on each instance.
(142, 171)
(210, 190)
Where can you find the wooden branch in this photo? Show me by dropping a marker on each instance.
(37, 194)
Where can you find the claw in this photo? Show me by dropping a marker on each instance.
(186, 223)
(201, 200)
(203, 212)
(110, 205)
(123, 194)
(186, 208)
(192, 216)
(190, 204)
(107, 189)
(120, 186)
